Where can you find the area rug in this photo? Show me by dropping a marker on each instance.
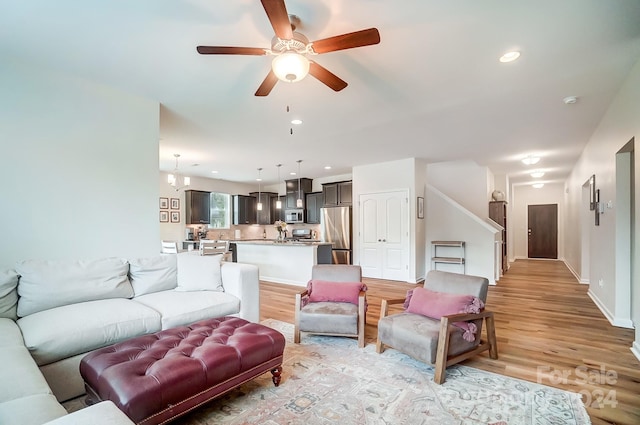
(329, 380)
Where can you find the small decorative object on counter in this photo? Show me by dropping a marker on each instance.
(264, 234)
(280, 226)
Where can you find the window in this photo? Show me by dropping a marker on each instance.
(220, 211)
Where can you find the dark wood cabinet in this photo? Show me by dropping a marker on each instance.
(498, 213)
(280, 212)
(197, 207)
(293, 192)
(268, 213)
(244, 209)
(313, 205)
(337, 194)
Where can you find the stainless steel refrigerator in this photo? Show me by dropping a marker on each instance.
(335, 227)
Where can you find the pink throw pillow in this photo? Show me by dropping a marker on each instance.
(437, 304)
(343, 292)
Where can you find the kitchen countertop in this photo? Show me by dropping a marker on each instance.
(278, 243)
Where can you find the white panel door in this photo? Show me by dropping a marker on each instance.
(384, 235)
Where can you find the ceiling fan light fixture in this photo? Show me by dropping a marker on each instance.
(290, 66)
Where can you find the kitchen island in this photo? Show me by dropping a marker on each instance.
(283, 262)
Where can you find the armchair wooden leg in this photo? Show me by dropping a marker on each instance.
(296, 334)
(491, 337)
(441, 352)
(379, 346)
(362, 320)
(296, 321)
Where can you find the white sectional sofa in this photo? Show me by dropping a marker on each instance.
(52, 313)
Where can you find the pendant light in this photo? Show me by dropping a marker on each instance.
(279, 202)
(299, 202)
(259, 206)
(174, 179)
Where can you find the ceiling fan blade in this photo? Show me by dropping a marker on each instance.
(279, 18)
(267, 85)
(221, 50)
(347, 41)
(326, 77)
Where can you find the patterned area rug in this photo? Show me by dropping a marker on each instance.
(329, 380)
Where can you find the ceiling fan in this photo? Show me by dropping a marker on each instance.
(290, 48)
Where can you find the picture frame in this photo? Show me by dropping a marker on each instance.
(420, 206)
(164, 216)
(596, 207)
(592, 192)
(164, 203)
(175, 203)
(175, 216)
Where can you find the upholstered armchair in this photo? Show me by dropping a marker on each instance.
(334, 303)
(442, 322)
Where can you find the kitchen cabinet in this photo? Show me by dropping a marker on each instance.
(337, 194)
(498, 213)
(313, 205)
(197, 207)
(280, 212)
(244, 209)
(293, 192)
(268, 213)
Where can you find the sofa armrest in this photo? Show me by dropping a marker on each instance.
(242, 281)
(103, 413)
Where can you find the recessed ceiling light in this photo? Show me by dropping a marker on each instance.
(214, 171)
(327, 167)
(293, 173)
(537, 174)
(296, 122)
(537, 185)
(570, 100)
(530, 160)
(509, 57)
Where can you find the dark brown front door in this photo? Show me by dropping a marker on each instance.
(543, 231)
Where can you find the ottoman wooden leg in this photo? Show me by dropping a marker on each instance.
(276, 375)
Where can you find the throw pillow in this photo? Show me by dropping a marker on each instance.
(8, 294)
(437, 304)
(342, 292)
(199, 272)
(153, 274)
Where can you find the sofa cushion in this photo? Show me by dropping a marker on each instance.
(21, 373)
(65, 331)
(48, 284)
(153, 274)
(8, 294)
(103, 413)
(35, 409)
(199, 272)
(10, 335)
(182, 308)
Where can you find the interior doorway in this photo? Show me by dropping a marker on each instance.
(542, 238)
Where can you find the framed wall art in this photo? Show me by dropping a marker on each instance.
(164, 216)
(175, 203)
(175, 216)
(164, 203)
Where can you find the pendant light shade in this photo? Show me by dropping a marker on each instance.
(279, 202)
(299, 202)
(259, 205)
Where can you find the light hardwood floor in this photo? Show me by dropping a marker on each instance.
(549, 331)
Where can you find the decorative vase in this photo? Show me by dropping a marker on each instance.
(279, 235)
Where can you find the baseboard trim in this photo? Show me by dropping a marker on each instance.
(635, 349)
(615, 321)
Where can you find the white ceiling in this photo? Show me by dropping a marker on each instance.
(433, 88)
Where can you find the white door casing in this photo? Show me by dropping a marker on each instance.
(384, 235)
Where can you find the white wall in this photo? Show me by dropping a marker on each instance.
(79, 168)
(387, 177)
(619, 125)
(448, 220)
(466, 182)
(522, 197)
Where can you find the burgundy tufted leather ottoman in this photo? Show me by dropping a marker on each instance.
(155, 378)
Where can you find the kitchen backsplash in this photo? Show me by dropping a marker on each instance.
(254, 231)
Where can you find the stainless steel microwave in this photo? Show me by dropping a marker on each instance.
(294, 216)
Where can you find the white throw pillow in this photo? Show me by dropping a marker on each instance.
(8, 294)
(153, 274)
(48, 284)
(199, 272)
